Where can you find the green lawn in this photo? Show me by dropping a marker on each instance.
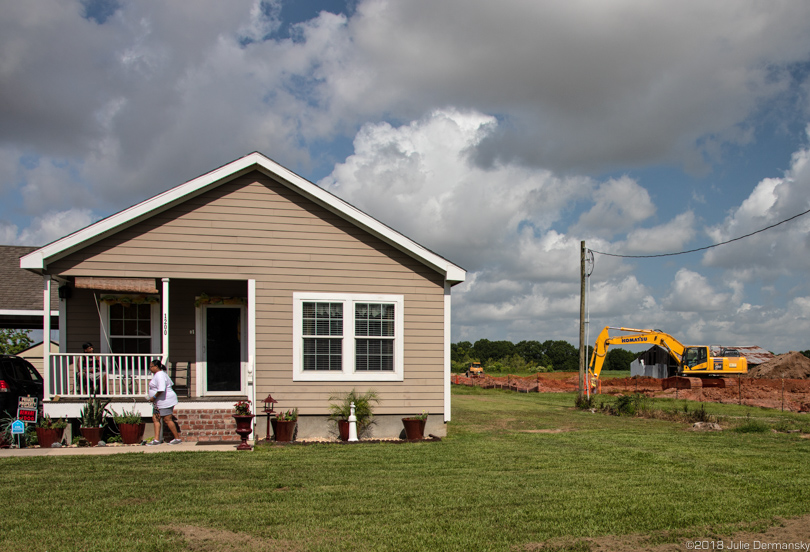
(514, 469)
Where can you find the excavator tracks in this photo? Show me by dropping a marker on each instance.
(680, 382)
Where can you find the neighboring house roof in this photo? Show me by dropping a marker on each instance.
(753, 354)
(21, 292)
(36, 349)
(38, 260)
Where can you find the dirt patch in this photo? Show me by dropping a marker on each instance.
(203, 539)
(792, 395)
(784, 532)
(792, 365)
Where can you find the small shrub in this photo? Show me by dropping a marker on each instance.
(126, 417)
(340, 408)
(697, 415)
(31, 437)
(752, 426)
(625, 405)
(642, 403)
(584, 402)
(790, 426)
(47, 423)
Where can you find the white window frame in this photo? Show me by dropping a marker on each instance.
(104, 336)
(348, 373)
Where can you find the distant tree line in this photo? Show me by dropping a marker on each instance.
(530, 356)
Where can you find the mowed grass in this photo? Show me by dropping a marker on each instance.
(514, 469)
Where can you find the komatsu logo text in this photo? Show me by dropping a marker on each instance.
(634, 340)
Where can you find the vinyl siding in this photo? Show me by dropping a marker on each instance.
(254, 227)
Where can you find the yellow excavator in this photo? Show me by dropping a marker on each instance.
(696, 367)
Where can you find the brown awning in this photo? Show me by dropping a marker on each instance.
(130, 285)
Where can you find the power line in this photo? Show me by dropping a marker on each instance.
(702, 248)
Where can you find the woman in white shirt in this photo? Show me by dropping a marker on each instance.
(163, 399)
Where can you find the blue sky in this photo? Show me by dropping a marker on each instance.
(497, 134)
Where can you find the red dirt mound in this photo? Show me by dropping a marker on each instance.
(792, 365)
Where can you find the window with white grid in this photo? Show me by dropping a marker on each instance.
(374, 336)
(322, 330)
(347, 337)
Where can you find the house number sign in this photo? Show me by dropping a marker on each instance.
(165, 323)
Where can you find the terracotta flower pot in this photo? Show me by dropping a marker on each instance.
(414, 428)
(92, 434)
(285, 431)
(132, 434)
(48, 437)
(343, 429)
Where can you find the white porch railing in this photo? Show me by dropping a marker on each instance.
(105, 375)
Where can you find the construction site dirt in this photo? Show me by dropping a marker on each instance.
(782, 383)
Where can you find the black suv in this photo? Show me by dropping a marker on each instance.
(18, 378)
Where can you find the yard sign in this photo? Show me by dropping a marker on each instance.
(27, 410)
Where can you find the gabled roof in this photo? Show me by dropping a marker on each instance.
(39, 259)
(21, 292)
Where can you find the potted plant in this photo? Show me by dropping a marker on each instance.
(50, 431)
(131, 426)
(340, 408)
(244, 422)
(415, 426)
(5, 430)
(285, 425)
(92, 419)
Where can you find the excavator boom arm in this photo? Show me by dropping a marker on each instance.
(635, 336)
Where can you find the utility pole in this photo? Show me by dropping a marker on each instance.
(582, 344)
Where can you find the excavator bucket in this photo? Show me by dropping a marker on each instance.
(680, 382)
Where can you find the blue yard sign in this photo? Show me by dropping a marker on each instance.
(17, 428)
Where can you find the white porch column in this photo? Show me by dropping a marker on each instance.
(62, 325)
(251, 338)
(164, 325)
(46, 337)
(447, 374)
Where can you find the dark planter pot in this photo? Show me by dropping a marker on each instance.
(244, 426)
(414, 428)
(343, 429)
(92, 434)
(285, 431)
(48, 437)
(132, 434)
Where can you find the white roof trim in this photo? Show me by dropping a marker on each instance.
(38, 260)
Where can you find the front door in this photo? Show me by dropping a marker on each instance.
(223, 349)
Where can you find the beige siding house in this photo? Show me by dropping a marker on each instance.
(33, 354)
(249, 281)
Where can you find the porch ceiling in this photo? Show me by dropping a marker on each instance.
(26, 321)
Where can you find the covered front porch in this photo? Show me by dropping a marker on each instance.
(202, 330)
